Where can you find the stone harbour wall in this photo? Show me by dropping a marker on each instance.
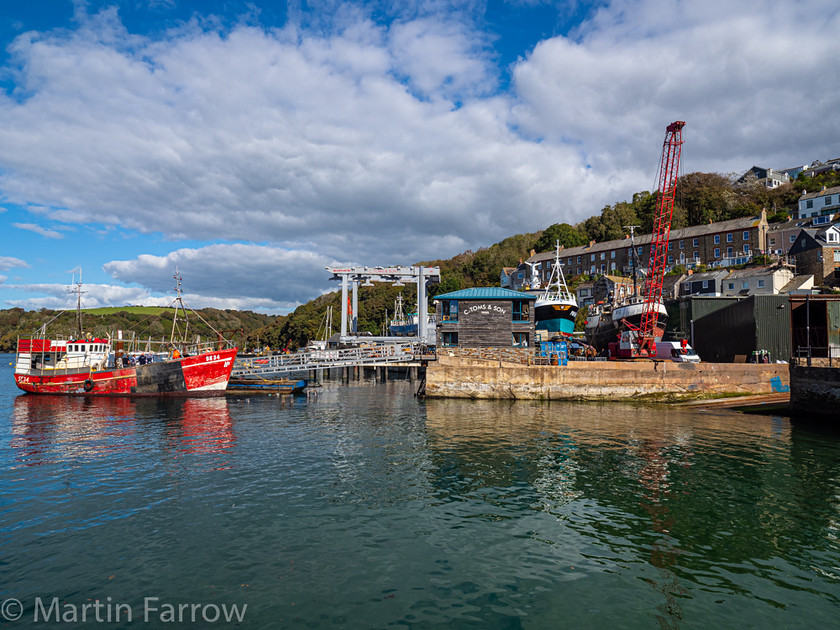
(814, 391)
(456, 376)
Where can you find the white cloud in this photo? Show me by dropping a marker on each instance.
(738, 74)
(9, 262)
(263, 277)
(45, 232)
(283, 137)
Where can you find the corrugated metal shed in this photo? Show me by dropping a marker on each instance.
(758, 322)
(682, 312)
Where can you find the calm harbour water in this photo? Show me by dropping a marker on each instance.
(364, 507)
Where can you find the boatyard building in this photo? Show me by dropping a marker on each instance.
(485, 317)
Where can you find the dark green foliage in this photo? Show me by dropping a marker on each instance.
(16, 323)
(567, 235)
(804, 183)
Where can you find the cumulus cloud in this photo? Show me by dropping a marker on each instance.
(60, 296)
(263, 277)
(736, 73)
(10, 262)
(367, 142)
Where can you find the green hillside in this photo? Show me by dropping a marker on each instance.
(145, 322)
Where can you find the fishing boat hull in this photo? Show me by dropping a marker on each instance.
(205, 374)
(607, 326)
(555, 316)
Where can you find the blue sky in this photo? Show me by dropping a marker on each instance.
(251, 144)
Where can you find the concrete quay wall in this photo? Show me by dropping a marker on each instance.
(465, 377)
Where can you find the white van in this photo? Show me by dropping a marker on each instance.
(676, 351)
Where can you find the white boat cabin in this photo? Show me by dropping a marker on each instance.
(45, 354)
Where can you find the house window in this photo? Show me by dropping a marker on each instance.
(520, 311)
(603, 268)
(793, 238)
(593, 258)
(809, 203)
(717, 239)
(828, 200)
(729, 252)
(570, 262)
(670, 246)
(670, 260)
(717, 252)
(746, 248)
(831, 237)
(695, 242)
(682, 244)
(697, 257)
(449, 339)
(729, 237)
(772, 241)
(450, 310)
(578, 261)
(639, 251)
(612, 266)
(731, 286)
(745, 285)
(603, 255)
(612, 254)
(705, 284)
(761, 284)
(519, 340)
(746, 235)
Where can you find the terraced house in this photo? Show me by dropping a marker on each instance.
(720, 244)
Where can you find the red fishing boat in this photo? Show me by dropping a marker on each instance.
(90, 366)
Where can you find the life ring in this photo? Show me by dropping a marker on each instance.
(88, 385)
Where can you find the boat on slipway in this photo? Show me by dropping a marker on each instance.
(605, 323)
(95, 366)
(556, 309)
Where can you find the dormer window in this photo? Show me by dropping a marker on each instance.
(831, 237)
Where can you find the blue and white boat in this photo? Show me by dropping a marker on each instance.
(556, 309)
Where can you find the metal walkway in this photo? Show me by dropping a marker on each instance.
(304, 360)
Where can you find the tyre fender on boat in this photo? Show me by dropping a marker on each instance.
(88, 385)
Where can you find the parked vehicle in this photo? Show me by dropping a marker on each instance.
(678, 351)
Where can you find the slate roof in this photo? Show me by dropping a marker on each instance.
(732, 225)
(485, 293)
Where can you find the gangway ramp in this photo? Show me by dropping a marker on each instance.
(304, 360)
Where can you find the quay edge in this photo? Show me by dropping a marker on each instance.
(453, 376)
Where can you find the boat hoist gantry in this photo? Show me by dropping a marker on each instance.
(366, 276)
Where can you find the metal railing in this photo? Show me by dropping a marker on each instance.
(304, 360)
(818, 356)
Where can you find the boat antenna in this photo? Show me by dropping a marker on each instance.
(633, 253)
(77, 289)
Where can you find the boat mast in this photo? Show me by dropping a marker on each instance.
(77, 289)
(178, 303)
(633, 254)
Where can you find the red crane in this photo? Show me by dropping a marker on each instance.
(641, 341)
(668, 171)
